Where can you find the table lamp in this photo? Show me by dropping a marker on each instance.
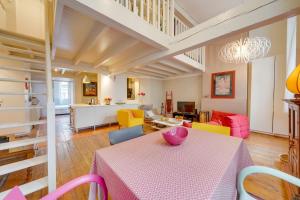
(293, 82)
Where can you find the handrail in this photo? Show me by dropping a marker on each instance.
(161, 15)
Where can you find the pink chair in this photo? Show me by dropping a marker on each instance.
(16, 194)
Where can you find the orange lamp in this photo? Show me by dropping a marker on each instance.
(293, 81)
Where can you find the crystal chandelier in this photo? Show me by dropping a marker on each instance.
(245, 50)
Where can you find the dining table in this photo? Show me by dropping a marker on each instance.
(205, 166)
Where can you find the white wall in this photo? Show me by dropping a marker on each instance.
(25, 17)
(213, 65)
(116, 88)
(185, 89)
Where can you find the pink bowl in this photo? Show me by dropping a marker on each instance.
(175, 136)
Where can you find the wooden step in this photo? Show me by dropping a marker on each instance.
(30, 187)
(20, 143)
(16, 166)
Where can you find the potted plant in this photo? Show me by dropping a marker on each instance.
(107, 100)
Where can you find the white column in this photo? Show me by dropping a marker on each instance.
(158, 14)
(291, 50)
(51, 139)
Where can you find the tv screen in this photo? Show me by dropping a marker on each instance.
(185, 106)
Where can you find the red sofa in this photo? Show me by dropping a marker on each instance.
(239, 124)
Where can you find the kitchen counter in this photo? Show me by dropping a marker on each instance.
(85, 115)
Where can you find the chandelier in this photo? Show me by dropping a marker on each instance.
(245, 50)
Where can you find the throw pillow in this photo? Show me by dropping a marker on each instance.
(218, 116)
(149, 113)
(187, 124)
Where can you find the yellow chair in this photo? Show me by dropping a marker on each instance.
(211, 128)
(130, 117)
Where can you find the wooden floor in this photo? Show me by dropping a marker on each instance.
(75, 153)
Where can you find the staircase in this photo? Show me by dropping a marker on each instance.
(17, 76)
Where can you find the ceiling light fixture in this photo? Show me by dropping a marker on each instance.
(86, 79)
(245, 50)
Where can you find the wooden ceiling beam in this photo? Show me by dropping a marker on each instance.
(113, 51)
(92, 37)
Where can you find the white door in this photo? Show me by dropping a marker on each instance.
(262, 95)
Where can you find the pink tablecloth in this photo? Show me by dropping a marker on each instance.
(205, 166)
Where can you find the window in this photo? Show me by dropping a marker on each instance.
(63, 92)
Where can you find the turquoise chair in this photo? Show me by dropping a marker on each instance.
(264, 170)
(125, 134)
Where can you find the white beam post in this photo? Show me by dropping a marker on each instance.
(51, 138)
(172, 14)
(158, 14)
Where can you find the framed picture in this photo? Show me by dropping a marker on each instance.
(131, 88)
(90, 89)
(223, 85)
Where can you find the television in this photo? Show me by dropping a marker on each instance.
(186, 106)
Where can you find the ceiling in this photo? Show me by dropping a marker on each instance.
(202, 10)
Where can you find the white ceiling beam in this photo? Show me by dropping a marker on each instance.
(149, 73)
(115, 50)
(175, 65)
(91, 39)
(250, 15)
(23, 51)
(120, 18)
(184, 14)
(139, 75)
(83, 67)
(165, 68)
(157, 71)
(58, 13)
(188, 61)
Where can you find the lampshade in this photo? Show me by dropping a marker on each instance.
(293, 81)
(86, 79)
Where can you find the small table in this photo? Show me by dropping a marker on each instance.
(170, 122)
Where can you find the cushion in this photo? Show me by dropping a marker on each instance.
(215, 123)
(149, 113)
(187, 124)
(218, 116)
(239, 125)
(15, 194)
(130, 114)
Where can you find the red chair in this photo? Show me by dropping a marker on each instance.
(16, 194)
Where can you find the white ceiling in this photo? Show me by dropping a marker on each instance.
(202, 10)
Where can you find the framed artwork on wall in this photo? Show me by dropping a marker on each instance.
(90, 89)
(223, 85)
(131, 88)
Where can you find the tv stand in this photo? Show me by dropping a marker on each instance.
(187, 115)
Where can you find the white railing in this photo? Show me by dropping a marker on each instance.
(156, 12)
(161, 14)
(196, 54)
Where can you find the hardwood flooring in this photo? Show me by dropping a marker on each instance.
(75, 153)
